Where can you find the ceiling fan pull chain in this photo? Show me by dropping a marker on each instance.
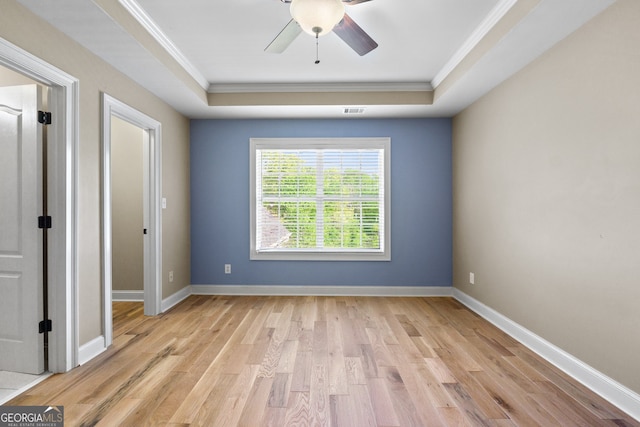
(317, 48)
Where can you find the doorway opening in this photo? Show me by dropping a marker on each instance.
(61, 178)
(129, 209)
(116, 113)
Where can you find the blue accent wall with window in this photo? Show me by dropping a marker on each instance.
(421, 204)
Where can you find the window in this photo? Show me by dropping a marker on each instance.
(320, 199)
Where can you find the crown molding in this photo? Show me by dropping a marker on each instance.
(319, 87)
(145, 20)
(478, 34)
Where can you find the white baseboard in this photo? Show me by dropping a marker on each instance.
(127, 295)
(174, 299)
(91, 349)
(611, 390)
(377, 291)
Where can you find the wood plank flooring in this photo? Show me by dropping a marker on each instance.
(317, 361)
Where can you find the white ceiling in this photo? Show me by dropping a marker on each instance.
(183, 51)
(415, 40)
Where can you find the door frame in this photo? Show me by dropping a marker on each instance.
(62, 194)
(153, 260)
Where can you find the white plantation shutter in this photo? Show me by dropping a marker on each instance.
(320, 198)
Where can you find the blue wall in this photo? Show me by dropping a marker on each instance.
(421, 204)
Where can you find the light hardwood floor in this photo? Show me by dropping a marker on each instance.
(315, 361)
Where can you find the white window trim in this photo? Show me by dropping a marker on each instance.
(310, 255)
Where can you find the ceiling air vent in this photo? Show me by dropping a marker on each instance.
(353, 110)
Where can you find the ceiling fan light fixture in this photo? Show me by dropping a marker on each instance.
(317, 17)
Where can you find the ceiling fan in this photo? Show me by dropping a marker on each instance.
(319, 17)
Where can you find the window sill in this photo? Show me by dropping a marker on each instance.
(319, 256)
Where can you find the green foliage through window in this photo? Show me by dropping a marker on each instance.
(320, 199)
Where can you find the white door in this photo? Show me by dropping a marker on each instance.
(21, 345)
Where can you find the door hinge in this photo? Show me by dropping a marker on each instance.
(44, 117)
(44, 222)
(44, 326)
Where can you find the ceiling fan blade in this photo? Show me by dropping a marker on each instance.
(354, 36)
(284, 39)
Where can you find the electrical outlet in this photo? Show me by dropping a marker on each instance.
(171, 276)
(227, 269)
(472, 279)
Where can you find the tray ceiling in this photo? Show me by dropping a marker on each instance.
(206, 57)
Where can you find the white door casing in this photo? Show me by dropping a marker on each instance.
(63, 137)
(21, 271)
(153, 240)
